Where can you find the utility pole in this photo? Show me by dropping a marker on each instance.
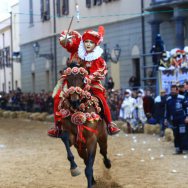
(55, 43)
(11, 52)
(3, 60)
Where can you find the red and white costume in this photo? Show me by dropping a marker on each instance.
(93, 62)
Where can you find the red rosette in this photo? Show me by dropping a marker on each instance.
(68, 71)
(98, 109)
(78, 118)
(93, 114)
(75, 70)
(78, 90)
(82, 71)
(97, 117)
(65, 113)
(94, 99)
(87, 87)
(83, 93)
(71, 90)
(82, 107)
(88, 95)
(88, 115)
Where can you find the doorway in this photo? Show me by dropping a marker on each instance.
(136, 69)
(33, 81)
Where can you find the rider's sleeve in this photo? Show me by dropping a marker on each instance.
(99, 71)
(70, 41)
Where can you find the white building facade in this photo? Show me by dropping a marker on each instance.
(10, 68)
(43, 21)
(5, 66)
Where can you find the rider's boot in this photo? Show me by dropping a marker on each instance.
(112, 129)
(56, 131)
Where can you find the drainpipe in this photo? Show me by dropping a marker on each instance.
(4, 66)
(143, 38)
(11, 52)
(55, 45)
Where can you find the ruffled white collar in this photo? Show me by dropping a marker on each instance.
(97, 52)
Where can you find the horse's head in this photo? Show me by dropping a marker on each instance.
(77, 81)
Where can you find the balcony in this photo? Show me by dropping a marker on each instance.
(154, 2)
(167, 4)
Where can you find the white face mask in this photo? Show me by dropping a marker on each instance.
(89, 45)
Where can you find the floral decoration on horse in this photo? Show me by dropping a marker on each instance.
(81, 114)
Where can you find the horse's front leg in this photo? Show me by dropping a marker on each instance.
(91, 152)
(73, 166)
(102, 141)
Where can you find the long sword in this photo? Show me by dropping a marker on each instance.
(68, 30)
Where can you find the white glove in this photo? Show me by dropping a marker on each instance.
(63, 37)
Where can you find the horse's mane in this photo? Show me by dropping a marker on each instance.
(73, 64)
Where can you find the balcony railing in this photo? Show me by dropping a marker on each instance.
(160, 1)
(156, 2)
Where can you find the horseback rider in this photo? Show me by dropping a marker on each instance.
(86, 51)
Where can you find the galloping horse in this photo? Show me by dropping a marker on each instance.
(82, 125)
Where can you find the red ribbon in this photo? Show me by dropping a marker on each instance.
(80, 129)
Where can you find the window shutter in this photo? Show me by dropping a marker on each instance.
(42, 9)
(65, 7)
(31, 11)
(88, 3)
(99, 2)
(48, 9)
(1, 59)
(58, 8)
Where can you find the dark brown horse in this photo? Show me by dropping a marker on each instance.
(82, 126)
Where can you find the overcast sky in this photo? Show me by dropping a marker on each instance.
(5, 8)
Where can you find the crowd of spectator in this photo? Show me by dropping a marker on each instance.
(30, 102)
(116, 98)
(43, 101)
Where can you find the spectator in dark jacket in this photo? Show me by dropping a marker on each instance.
(159, 110)
(110, 83)
(148, 104)
(176, 112)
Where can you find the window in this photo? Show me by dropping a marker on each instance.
(88, 3)
(107, 1)
(31, 12)
(7, 56)
(16, 84)
(1, 59)
(62, 7)
(33, 81)
(97, 2)
(9, 88)
(45, 10)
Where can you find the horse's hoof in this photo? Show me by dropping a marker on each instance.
(94, 182)
(75, 172)
(107, 163)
